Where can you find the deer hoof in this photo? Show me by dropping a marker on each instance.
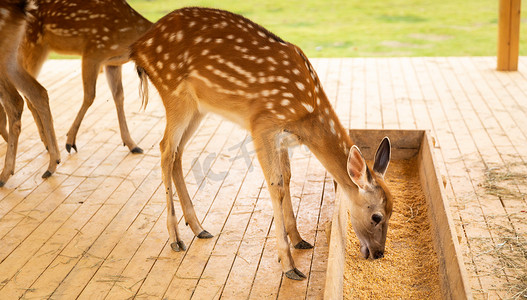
(295, 274)
(303, 245)
(178, 246)
(69, 146)
(137, 150)
(182, 245)
(205, 235)
(46, 174)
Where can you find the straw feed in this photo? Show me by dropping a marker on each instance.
(409, 269)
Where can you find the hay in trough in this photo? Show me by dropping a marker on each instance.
(410, 268)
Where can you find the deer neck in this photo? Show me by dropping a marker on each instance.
(329, 141)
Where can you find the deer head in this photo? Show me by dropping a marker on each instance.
(371, 202)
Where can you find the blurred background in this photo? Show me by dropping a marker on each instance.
(373, 28)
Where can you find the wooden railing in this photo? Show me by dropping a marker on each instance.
(509, 35)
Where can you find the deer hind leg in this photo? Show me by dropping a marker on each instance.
(38, 122)
(13, 105)
(33, 56)
(179, 114)
(90, 70)
(268, 151)
(3, 124)
(38, 101)
(289, 216)
(179, 181)
(114, 78)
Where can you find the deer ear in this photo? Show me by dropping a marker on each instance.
(357, 169)
(382, 157)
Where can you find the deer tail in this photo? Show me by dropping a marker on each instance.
(143, 86)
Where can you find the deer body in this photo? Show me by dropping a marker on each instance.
(206, 60)
(14, 78)
(101, 32)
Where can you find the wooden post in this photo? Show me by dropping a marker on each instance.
(509, 35)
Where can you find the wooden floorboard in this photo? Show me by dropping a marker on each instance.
(97, 228)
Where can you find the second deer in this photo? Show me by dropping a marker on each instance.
(99, 31)
(13, 78)
(206, 60)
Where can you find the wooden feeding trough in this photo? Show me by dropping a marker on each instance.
(450, 281)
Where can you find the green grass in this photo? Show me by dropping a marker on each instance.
(350, 28)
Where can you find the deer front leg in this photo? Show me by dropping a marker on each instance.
(179, 181)
(114, 78)
(290, 220)
(13, 105)
(90, 69)
(268, 154)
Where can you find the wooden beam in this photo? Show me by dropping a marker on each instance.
(509, 35)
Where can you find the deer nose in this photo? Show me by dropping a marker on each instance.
(378, 254)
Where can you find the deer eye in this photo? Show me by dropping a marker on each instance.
(377, 218)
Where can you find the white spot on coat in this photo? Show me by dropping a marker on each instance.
(300, 86)
(285, 102)
(308, 107)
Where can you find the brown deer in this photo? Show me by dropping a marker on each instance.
(206, 60)
(13, 78)
(101, 32)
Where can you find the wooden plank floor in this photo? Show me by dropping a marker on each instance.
(96, 229)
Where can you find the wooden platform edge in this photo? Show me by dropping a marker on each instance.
(455, 284)
(337, 249)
